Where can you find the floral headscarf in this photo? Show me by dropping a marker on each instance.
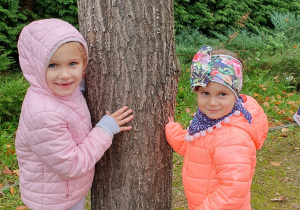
(223, 69)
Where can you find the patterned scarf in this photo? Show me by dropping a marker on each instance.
(201, 122)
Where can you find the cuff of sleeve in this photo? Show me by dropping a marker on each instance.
(109, 124)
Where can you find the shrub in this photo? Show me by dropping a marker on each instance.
(12, 91)
(63, 9)
(11, 23)
(253, 15)
(5, 60)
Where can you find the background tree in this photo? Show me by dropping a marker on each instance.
(132, 62)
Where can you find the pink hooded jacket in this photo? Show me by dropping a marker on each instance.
(56, 146)
(218, 168)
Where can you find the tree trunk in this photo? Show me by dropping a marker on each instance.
(132, 62)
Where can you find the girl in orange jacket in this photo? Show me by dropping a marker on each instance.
(219, 147)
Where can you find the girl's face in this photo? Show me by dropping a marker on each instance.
(65, 70)
(215, 100)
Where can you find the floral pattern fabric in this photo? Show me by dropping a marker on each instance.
(223, 69)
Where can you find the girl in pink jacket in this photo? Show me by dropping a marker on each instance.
(219, 146)
(56, 146)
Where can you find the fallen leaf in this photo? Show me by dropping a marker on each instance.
(284, 134)
(12, 190)
(284, 130)
(288, 118)
(10, 152)
(267, 98)
(17, 172)
(278, 102)
(279, 199)
(187, 110)
(7, 171)
(271, 124)
(275, 164)
(255, 94)
(266, 104)
(21, 208)
(291, 102)
(296, 148)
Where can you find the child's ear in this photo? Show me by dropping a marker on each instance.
(83, 74)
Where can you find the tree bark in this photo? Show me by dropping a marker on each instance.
(132, 62)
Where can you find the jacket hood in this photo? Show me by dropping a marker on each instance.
(259, 125)
(37, 43)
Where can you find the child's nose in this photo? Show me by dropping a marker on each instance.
(64, 73)
(213, 101)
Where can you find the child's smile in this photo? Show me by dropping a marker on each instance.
(215, 100)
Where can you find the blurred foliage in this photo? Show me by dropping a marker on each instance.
(15, 14)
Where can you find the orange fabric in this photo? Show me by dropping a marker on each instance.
(218, 168)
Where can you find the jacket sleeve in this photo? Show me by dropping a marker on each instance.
(50, 139)
(176, 137)
(232, 161)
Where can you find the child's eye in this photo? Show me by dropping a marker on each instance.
(205, 93)
(73, 64)
(52, 65)
(222, 94)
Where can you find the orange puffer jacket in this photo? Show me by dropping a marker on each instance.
(218, 168)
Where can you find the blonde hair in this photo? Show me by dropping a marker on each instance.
(80, 50)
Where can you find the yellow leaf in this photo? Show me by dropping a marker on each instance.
(275, 164)
(16, 172)
(12, 190)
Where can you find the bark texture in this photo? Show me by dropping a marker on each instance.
(132, 62)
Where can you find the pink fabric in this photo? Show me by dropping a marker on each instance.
(218, 168)
(56, 146)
